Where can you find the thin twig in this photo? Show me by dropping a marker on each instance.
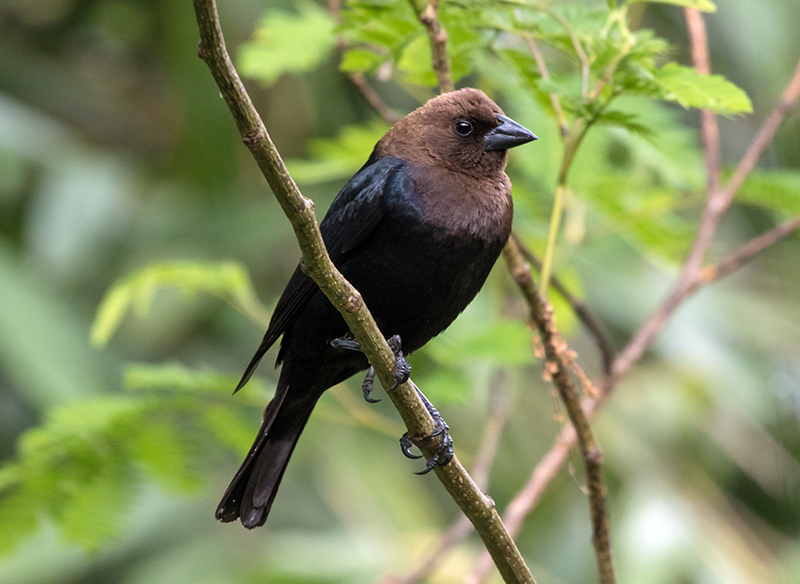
(749, 251)
(716, 205)
(698, 40)
(557, 367)
(581, 310)
(359, 79)
(428, 15)
(388, 114)
(765, 135)
(576, 44)
(317, 264)
(563, 125)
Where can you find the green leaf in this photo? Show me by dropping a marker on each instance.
(625, 120)
(286, 43)
(778, 190)
(686, 87)
(160, 448)
(501, 342)
(337, 158)
(225, 280)
(701, 5)
(361, 61)
(177, 377)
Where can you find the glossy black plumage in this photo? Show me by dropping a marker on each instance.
(416, 231)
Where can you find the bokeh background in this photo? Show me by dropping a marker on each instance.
(117, 154)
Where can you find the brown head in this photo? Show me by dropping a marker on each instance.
(462, 131)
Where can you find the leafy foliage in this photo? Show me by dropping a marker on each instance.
(288, 43)
(228, 281)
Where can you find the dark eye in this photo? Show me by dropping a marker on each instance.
(463, 128)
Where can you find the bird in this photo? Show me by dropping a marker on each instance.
(416, 231)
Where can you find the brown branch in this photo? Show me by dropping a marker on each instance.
(581, 310)
(749, 251)
(317, 264)
(691, 278)
(698, 39)
(359, 79)
(558, 358)
(766, 133)
(429, 17)
(388, 114)
(717, 203)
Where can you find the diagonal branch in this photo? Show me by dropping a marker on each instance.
(359, 79)
(563, 125)
(749, 251)
(581, 310)
(317, 264)
(489, 443)
(558, 358)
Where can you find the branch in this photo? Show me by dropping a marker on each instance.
(489, 442)
(558, 358)
(563, 125)
(373, 99)
(359, 79)
(696, 27)
(749, 251)
(317, 264)
(688, 282)
(429, 17)
(580, 309)
(717, 203)
(766, 133)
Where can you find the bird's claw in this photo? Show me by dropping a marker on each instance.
(402, 368)
(405, 446)
(444, 453)
(367, 386)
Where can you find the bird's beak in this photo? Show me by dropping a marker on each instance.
(506, 135)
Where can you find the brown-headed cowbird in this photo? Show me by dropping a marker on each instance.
(416, 231)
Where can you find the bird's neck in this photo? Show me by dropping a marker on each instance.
(464, 205)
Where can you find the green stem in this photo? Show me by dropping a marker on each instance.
(571, 144)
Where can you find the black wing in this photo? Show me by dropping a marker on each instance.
(355, 213)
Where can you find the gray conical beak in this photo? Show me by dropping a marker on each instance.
(507, 135)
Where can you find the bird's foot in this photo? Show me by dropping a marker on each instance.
(402, 368)
(444, 453)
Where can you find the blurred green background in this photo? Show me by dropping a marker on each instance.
(117, 154)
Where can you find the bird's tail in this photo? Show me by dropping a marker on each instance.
(250, 494)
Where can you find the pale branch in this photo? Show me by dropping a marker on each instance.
(563, 125)
(749, 251)
(764, 137)
(428, 16)
(698, 40)
(557, 367)
(689, 281)
(579, 308)
(359, 79)
(317, 264)
(716, 205)
(373, 99)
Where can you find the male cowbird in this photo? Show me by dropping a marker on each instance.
(416, 231)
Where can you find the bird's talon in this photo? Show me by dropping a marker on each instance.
(405, 445)
(367, 386)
